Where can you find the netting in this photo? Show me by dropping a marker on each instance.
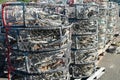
(84, 40)
(39, 41)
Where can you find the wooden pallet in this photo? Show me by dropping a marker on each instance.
(101, 52)
(99, 72)
(95, 76)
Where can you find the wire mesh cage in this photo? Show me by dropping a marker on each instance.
(46, 63)
(84, 42)
(82, 70)
(84, 39)
(112, 19)
(83, 56)
(62, 2)
(102, 25)
(38, 38)
(40, 43)
(59, 75)
(13, 14)
(41, 39)
(38, 15)
(117, 18)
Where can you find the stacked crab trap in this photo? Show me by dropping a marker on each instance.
(84, 40)
(102, 25)
(112, 19)
(55, 39)
(38, 41)
(117, 18)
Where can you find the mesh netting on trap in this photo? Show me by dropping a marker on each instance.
(84, 41)
(40, 40)
(102, 25)
(41, 50)
(34, 15)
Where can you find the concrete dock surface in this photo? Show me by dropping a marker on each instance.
(111, 61)
(112, 64)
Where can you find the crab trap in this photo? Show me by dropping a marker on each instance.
(84, 40)
(102, 25)
(112, 19)
(38, 41)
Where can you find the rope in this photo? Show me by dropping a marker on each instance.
(7, 28)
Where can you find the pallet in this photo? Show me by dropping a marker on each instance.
(96, 75)
(101, 52)
(99, 72)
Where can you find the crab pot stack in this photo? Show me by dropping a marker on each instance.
(112, 20)
(117, 19)
(84, 41)
(102, 25)
(40, 41)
